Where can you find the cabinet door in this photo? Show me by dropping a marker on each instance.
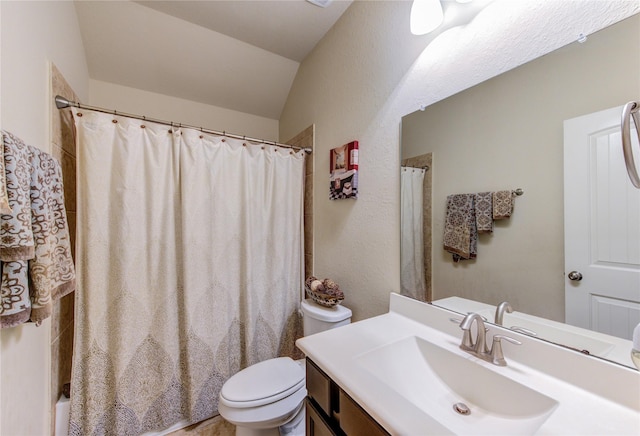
(356, 422)
(315, 423)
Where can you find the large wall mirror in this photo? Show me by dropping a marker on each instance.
(508, 133)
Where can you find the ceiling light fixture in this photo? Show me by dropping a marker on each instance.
(321, 3)
(426, 16)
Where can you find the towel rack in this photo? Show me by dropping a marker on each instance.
(408, 167)
(630, 110)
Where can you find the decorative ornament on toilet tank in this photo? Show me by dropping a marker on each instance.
(343, 171)
(324, 292)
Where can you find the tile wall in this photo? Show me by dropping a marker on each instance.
(306, 139)
(63, 148)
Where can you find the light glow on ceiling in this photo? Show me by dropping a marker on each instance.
(426, 16)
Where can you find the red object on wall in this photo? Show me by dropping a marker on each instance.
(343, 171)
(344, 157)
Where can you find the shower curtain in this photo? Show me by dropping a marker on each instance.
(412, 280)
(189, 260)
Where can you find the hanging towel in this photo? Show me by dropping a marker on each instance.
(52, 272)
(4, 198)
(460, 232)
(16, 238)
(16, 304)
(35, 248)
(502, 204)
(484, 212)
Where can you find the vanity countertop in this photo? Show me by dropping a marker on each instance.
(594, 396)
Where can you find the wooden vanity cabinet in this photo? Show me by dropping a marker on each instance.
(330, 411)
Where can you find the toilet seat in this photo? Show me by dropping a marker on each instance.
(263, 383)
(267, 416)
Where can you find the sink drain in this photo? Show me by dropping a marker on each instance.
(462, 409)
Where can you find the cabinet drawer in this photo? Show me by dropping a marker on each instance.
(356, 422)
(319, 387)
(315, 424)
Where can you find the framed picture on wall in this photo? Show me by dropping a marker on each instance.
(343, 171)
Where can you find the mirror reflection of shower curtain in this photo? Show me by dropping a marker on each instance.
(189, 259)
(412, 279)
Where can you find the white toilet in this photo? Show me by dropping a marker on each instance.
(268, 398)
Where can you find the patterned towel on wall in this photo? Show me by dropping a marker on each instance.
(16, 304)
(484, 212)
(16, 237)
(4, 197)
(35, 248)
(51, 270)
(460, 232)
(502, 204)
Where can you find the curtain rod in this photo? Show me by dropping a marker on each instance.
(62, 103)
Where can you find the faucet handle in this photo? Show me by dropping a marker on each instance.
(497, 356)
(519, 329)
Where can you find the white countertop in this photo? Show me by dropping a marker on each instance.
(595, 397)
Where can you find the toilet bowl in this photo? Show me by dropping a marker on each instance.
(268, 398)
(264, 396)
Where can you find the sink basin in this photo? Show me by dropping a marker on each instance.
(435, 379)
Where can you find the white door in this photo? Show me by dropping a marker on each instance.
(601, 227)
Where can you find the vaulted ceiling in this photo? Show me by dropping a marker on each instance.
(240, 55)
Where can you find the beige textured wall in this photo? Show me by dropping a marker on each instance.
(507, 133)
(366, 74)
(33, 35)
(164, 107)
(341, 88)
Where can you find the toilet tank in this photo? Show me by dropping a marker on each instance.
(316, 318)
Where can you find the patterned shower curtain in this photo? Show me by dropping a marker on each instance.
(412, 279)
(189, 263)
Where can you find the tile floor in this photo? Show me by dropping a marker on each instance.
(215, 426)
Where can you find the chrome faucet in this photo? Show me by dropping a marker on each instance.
(500, 310)
(479, 347)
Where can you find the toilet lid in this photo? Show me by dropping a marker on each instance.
(258, 383)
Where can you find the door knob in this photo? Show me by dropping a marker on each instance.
(574, 275)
